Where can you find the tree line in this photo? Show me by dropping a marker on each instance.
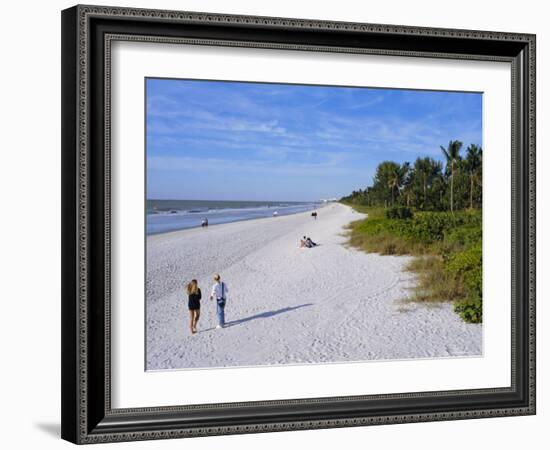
(427, 184)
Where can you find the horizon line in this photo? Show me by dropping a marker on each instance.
(220, 200)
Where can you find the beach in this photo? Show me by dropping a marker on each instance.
(290, 305)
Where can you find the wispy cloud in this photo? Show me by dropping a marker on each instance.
(329, 166)
(333, 136)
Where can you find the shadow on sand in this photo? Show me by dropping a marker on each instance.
(266, 314)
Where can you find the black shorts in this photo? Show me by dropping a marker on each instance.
(194, 304)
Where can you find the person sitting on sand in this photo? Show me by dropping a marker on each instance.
(302, 243)
(194, 304)
(219, 290)
(309, 242)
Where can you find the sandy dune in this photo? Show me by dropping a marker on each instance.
(287, 304)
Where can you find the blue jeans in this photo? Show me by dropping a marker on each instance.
(220, 311)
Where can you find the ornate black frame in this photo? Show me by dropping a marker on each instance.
(87, 416)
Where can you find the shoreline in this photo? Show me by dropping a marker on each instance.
(290, 305)
(321, 206)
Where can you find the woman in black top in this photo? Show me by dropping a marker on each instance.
(194, 293)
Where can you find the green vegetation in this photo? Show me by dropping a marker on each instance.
(434, 215)
(399, 212)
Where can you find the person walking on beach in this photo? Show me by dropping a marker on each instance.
(219, 291)
(194, 304)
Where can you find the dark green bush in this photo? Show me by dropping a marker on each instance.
(466, 265)
(470, 310)
(399, 212)
(425, 227)
(465, 268)
(431, 226)
(464, 236)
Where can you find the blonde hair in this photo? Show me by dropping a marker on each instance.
(217, 277)
(193, 287)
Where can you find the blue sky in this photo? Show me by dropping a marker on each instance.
(211, 140)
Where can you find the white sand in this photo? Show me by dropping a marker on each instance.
(288, 304)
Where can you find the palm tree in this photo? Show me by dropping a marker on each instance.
(393, 183)
(397, 177)
(473, 163)
(452, 154)
(384, 180)
(407, 191)
(426, 171)
(406, 179)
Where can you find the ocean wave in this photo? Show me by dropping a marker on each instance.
(171, 220)
(229, 210)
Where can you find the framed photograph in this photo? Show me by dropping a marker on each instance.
(279, 224)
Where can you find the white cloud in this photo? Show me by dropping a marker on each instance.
(330, 165)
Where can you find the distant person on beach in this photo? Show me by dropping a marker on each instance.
(204, 222)
(314, 215)
(308, 242)
(194, 304)
(219, 292)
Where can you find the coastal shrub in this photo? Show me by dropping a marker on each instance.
(423, 263)
(465, 268)
(434, 284)
(470, 310)
(447, 247)
(430, 227)
(381, 226)
(383, 243)
(422, 230)
(455, 231)
(464, 236)
(399, 212)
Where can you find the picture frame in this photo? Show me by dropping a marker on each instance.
(87, 413)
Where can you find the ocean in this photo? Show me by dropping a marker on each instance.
(172, 215)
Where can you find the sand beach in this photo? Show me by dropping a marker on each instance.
(290, 305)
